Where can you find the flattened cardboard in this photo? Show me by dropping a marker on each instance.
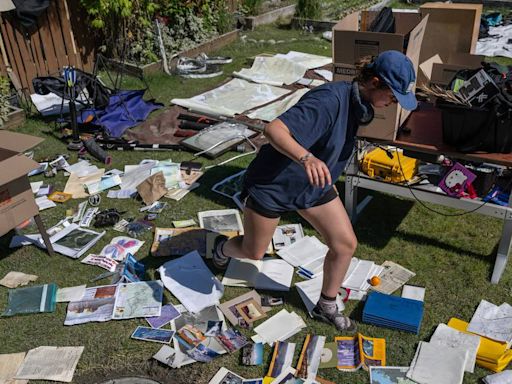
(452, 27)
(443, 73)
(16, 198)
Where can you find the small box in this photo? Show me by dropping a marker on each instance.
(351, 42)
(378, 165)
(17, 202)
(452, 27)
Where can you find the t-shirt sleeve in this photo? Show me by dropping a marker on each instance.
(311, 117)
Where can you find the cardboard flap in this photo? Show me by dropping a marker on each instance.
(15, 167)
(425, 72)
(348, 23)
(18, 142)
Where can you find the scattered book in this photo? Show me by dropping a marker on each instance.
(493, 321)
(309, 360)
(282, 358)
(279, 327)
(358, 351)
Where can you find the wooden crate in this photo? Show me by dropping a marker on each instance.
(16, 118)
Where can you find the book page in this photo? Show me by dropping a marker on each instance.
(242, 273)
(274, 275)
(393, 277)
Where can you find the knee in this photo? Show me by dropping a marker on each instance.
(344, 247)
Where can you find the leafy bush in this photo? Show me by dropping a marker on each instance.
(5, 91)
(128, 27)
(309, 9)
(251, 7)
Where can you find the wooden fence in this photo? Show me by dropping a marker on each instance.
(60, 38)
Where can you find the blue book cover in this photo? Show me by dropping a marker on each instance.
(393, 309)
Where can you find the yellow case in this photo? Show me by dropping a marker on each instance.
(377, 164)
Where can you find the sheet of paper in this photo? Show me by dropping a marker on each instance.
(273, 71)
(140, 299)
(326, 74)
(270, 111)
(44, 203)
(492, 321)
(504, 377)
(75, 184)
(50, 363)
(191, 282)
(308, 60)
(15, 279)
(35, 186)
(393, 277)
(303, 251)
(359, 275)
(121, 193)
(234, 97)
(445, 335)
(413, 292)
(65, 295)
(82, 168)
(106, 182)
(269, 273)
(133, 176)
(434, 363)
(309, 291)
(279, 327)
(9, 365)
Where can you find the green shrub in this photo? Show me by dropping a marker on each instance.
(251, 7)
(5, 92)
(309, 9)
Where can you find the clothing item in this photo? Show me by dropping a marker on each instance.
(397, 71)
(323, 122)
(251, 203)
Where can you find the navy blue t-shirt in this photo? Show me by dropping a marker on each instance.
(322, 123)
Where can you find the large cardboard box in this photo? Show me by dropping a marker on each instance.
(452, 27)
(352, 42)
(17, 202)
(442, 73)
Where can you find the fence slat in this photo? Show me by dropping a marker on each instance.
(42, 67)
(57, 39)
(18, 66)
(67, 33)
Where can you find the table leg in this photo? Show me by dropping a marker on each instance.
(44, 235)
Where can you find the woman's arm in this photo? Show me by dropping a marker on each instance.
(282, 140)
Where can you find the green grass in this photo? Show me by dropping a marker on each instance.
(453, 257)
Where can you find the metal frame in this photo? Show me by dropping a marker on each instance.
(355, 180)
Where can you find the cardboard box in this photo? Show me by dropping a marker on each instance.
(452, 27)
(443, 73)
(17, 202)
(351, 42)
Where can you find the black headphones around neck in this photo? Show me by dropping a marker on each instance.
(363, 110)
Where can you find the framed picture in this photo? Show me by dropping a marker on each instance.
(218, 138)
(221, 220)
(250, 310)
(73, 241)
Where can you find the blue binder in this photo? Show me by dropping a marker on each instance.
(393, 312)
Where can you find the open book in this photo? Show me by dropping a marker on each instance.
(360, 351)
(269, 273)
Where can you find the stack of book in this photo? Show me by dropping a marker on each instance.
(393, 312)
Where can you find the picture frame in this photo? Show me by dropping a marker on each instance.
(223, 220)
(73, 241)
(251, 310)
(218, 139)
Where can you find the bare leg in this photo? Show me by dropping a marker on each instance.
(258, 232)
(332, 222)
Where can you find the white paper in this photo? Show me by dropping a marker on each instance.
(270, 111)
(504, 377)
(50, 363)
(414, 293)
(434, 363)
(65, 295)
(44, 203)
(307, 60)
(166, 355)
(191, 282)
(82, 168)
(121, 193)
(326, 74)
(496, 44)
(9, 365)
(269, 273)
(273, 71)
(445, 335)
(105, 183)
(492, 321)
(35, 186)
(224, 376)
(234, 97)
(358, 275)
(279, 327)
(134, 175)
(304, 251)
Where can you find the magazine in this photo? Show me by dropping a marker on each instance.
(178, 241)
(360, 351)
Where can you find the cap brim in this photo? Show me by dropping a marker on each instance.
(407, 101)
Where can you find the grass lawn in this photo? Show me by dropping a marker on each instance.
(453, 257)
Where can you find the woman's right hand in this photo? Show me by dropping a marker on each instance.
(318, 173)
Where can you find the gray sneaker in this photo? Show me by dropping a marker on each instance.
(342, 323)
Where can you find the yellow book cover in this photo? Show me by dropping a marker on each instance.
(360, 351)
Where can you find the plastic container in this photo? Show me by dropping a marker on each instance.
(377, 164)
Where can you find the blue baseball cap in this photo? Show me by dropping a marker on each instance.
(397, 71)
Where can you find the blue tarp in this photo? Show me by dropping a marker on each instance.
(125, 109)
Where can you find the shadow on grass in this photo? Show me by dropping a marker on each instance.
(5, 240)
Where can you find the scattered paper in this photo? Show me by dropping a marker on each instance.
(101, 261)
(15, 279)
(9, 365)
(97, 304)
(140, 299)
(106, 182)
(414, 293)
(504, 377)
(308, 60)
(303, 251)
(272, 70)
(65, 295)
(82, 168)
(279, 327)
(44, 203)
(80, 213)
(169, 313)
(326, 74)
(153, 188)
(492, 321)
(392, 277)
(121, 193)
(75, 184)
(189, 279)
(310, 290)
(35, 186)
(50, 363)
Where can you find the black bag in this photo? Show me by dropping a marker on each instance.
(384, 21)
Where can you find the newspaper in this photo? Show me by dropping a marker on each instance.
(393, 277)
(50, 363)
(9, 365)
(360, 351)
